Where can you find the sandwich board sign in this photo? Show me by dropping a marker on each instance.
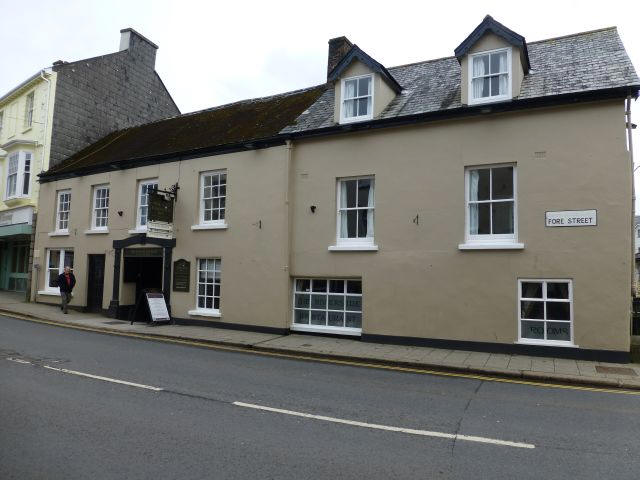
(157, 307)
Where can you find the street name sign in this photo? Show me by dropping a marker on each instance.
(572, 218)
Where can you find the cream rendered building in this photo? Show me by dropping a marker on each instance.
(481, 201)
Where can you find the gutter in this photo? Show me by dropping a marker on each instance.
(19, 87)
(280, 139)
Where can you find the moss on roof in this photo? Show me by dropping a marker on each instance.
(246, 121)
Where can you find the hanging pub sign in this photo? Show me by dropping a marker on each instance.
(160, 215)
(572, 218)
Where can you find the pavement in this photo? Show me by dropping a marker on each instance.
(530, 368)
(77, 404)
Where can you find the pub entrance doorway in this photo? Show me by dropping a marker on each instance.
(144, 267)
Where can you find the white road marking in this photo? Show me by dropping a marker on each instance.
(410, 431)
(105, 379)
(19, 360)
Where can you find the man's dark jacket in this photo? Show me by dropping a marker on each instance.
(62, 282)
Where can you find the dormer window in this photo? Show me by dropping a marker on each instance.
(357, 99)
(490, 76)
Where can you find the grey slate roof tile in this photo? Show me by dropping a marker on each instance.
(581, 62)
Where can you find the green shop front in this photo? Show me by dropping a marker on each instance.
(15, 235)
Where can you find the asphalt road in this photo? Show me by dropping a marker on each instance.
(57, 425)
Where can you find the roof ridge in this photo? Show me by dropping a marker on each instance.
(575, 34)
(528, 43)
(238, 102)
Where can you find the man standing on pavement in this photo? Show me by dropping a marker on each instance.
(66, 282)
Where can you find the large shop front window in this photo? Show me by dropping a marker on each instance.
(56, 261)
(546, 311)
(491, 205)
(326, 305)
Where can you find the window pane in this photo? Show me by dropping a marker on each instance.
(502, 217)
(318, 317)
(479, 218)
(301, 316)
(479, 184)
(364, 86)
(485, 87)
(336, 286)
(318, 301)
(354, 286)
(502, 183)
(303, 285)
(352, 186)
(363, 192)
(335, 319)
(533, 330)
(558, 331)
(558, 311)
(350, 87)
(302, 301)
(68, 259)
(531, 290)
(362, 223)
(557, 290)
(319, 285)
(532, 310)
(495, 85)
(353, 320)
(363, 106)
(352, 223)
(54, 258)
(496, 60)
(353, 303)
(336, 302)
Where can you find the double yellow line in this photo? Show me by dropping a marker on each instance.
(353, 363)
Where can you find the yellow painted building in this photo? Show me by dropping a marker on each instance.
(25, 132)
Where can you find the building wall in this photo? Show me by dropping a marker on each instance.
(100, 95)
(419, 284)
(253, 249)
(36, 137)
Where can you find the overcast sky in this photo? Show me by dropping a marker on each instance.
(217, 52)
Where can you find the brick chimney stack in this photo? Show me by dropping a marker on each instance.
(138, 45)
(338, 48)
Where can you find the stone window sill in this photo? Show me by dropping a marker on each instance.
(60, 233)
(205, 313)
(353, 248)
(213, 226)
(53, 293)
(96, 231)
(491, 246)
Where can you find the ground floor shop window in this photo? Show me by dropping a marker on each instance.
(56, 261)
(546, 311)
(208, 284)
(327, 305)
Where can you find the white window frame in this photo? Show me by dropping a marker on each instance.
(22, 157)
(63, 253)
(139, 226)
(361, 243)
(544, 281)
(29, 106)
(327, 328)
(59, 194)
(496, 98)
(95, 207)
(203, 311)
(222, 198)
(360, 118)
(490, 241)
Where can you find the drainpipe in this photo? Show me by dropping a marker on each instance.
(633, 204)
(289, 226)
(46, 120)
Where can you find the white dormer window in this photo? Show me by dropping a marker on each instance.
(490, 74)
(357, 99)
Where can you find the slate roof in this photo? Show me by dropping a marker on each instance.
(248, 122)
(582, 62)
